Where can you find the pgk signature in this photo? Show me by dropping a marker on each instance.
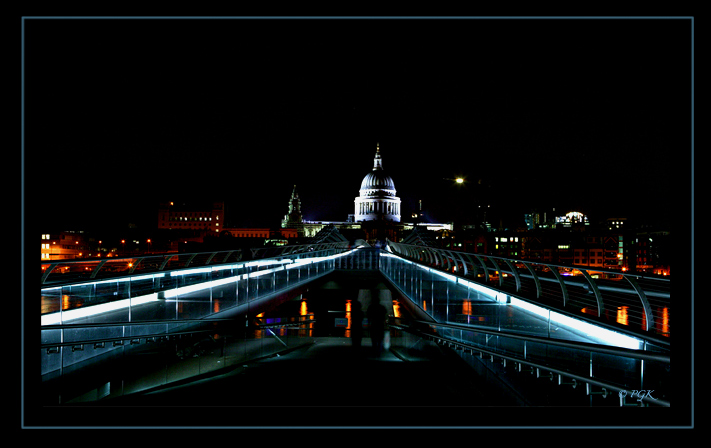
(640, 394)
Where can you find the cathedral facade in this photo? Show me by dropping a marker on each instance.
(377, 200)
(377, 210)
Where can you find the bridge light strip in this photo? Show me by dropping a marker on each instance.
(77, 313)
(603, 335)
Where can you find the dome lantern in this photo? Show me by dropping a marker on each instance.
(378, 161)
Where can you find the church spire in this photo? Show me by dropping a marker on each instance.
(293, 217)
(378, 161)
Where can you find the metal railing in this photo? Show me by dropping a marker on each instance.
(610, 370)
(142, 356)
(638, 302)
(78, 270)
(209, 288)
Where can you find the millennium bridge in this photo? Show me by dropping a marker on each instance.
(279, 327)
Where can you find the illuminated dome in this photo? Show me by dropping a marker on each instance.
(377, 200)
(377, 180)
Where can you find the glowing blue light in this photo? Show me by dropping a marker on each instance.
(77, 313)
(603, 335)
(55, 318)
(586, 330)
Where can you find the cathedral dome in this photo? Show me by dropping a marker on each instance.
(377, 200)
(377, 180)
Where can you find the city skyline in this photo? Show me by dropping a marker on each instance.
(123, 114)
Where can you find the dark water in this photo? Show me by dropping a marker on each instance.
(332, 315)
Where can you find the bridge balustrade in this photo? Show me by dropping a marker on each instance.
(90, 289)
(490, 323)
(475, 301)
(619, 298)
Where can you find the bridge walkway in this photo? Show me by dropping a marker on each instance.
(324, 382)
(456, 360)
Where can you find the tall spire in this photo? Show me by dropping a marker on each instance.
(378, 161)
(293, 217)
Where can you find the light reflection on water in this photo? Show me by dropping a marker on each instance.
(300, 309)
(622, 316)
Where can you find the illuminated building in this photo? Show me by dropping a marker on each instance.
(377, 211)
(571, 218)
(293, 219)
(64, 246)
(377, 200)
(208, 217)
(652, 252)
(508, 246)
(279, 237)
(616, 223)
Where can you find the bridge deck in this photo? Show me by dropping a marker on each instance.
(331, 383)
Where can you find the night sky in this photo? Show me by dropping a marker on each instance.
(593, 115)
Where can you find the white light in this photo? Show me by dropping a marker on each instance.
(54, 318)
(531, 308)
(479, 288)
(599, 334)
(603, 335)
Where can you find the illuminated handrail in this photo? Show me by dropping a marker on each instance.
(598, 348)
(539, 367)
(89, 269)
(86, 297)
(530, 278)
(303, 320)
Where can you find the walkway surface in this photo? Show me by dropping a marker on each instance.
(329, 383)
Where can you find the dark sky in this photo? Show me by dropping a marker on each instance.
(586, 114)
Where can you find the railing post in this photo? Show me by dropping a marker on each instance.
(645, 303)
(563, 288)
(498, 269)
(483, 265)
(98, 267)
(135, 265)
(535, 279)
(464, 263)
(598, 296)
(47, 271)
(515, 274)
(474, 268)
